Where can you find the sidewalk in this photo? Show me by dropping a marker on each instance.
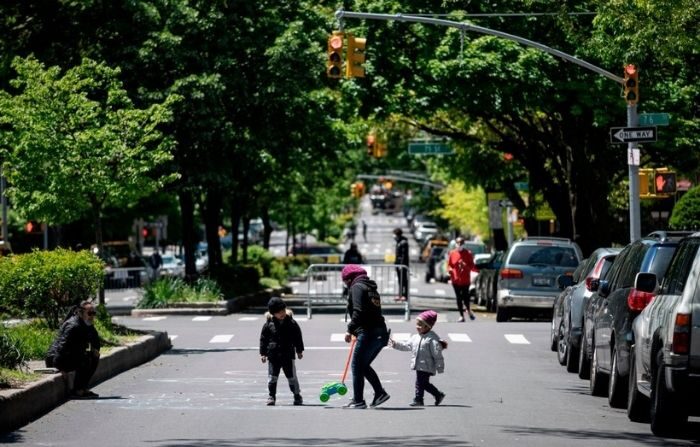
(18, 407)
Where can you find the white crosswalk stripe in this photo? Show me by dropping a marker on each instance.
(440, 292)
(225, 338)
(517, 339)
(337, 337)
(154, 318)
(248, 319)
(460, 338)
(205, 318)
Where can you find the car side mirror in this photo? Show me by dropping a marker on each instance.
(564, 281)
(646, 282)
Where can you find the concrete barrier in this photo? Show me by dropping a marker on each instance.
(19, 407)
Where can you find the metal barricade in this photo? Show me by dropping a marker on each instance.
(125, 278)
(324, 285)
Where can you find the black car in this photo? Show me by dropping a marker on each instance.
(608, 318)
(485, 283)
(432, 260)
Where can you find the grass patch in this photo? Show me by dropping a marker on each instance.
(15, 378)
(167, 291)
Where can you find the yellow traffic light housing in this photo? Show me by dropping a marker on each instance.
(356, 57)
(334, 64)
(631, 84)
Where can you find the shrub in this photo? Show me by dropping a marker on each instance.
(167, 291)
(236, 280)
(10, 350)
(34, 338)
(47, 283)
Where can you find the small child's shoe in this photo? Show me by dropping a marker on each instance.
(461, 319)
(270, 401)
(298, 400)
(416, 403)
(472, 317)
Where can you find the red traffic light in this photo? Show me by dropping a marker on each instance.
(144, 232)
(665, 182)
(32, 227)
(631, 84)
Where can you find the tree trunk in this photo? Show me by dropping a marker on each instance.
(235, 222)
(189, 238)
(212, 220)
(267, 225)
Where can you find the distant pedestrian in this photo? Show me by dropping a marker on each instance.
(353, 255)
(460, 264)
(156, 262)
(77, 348)
(280, 342)
(364, 230)
(367, 325)
(401, 259)
(426, 356)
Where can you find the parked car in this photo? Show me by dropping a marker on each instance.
(425, 231)
(485, 282)
(527, 279)
(567, 316)
(427, 247)
(318, 252)
(608, 324)
(172, 266)
(664, 366)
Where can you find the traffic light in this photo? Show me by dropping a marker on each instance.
(631, 84)
(145, 232)
(334, 65)
(645, 177)
(356, 57)
(371, 144)
(32, 227)
(665, 182)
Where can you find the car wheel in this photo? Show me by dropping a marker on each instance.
(562, 345)
(597, 379)
(617, 387)
(553, 338)
(584, 365)
(637, 403)
(501, 314)
(666, 413)
(572, 357)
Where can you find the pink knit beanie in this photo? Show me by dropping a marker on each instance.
(428, 317)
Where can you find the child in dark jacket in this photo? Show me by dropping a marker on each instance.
(280, 342)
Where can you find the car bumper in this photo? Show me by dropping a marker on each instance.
(686, 386)
(508, 298)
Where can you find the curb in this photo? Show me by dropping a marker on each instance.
(18, 407)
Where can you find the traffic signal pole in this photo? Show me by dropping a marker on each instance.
(633, 169)
(632, 119)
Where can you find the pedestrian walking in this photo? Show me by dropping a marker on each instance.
(426, 356)
(364, 230)
(367, 325)
(77, 348)
(401, 258)
(280, 342)
(460, 263)
(353, 255)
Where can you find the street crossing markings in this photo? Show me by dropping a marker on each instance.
(440, 292)
(400, 336)
(460, 338)
(248, 319)
(207, 318)
(172, 337)
(337, 337)
(154, 318)
(414, 291)
(224, 338)
(517, 339)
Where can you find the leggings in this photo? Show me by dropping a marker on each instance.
(462, 294)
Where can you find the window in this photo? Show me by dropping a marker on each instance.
(679, 269)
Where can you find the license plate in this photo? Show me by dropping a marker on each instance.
(541, 281)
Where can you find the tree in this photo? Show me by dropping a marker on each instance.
(73, 143)
(686, 212)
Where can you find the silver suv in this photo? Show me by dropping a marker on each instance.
(665, 358)
(527, 279)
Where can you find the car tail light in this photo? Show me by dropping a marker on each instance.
(511, 274)
(589, 283)
(638, 300)
(681, 334)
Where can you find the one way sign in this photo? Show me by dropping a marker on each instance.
(620, 135)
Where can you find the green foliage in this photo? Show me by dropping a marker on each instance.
(267, 264)
(465, 209)
(167, 291)
(11, 355)
(270, 283)
(34, 338)
(686, 212)
(47, 283)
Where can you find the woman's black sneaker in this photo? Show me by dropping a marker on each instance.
(379, 399)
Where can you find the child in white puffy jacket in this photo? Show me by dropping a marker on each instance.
(426, 349)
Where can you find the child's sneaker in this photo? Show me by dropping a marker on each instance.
(270, 401)
(298, 400)
(439, 398)
(472, 317)
(416, 403)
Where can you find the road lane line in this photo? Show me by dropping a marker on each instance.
(517, 339)
(207, 318)
(248, 319)
(224, 338)
(460, 338)
(337, 337)
(154, 318)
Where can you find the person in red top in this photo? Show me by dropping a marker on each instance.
(460, 264)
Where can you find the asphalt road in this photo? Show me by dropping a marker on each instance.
(503, 385)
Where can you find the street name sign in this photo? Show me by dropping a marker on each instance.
(429, 147)
(632, 134)
(654, 119)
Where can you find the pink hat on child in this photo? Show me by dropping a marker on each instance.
(428, 317)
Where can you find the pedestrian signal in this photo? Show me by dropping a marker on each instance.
(32, 227)
(356, 57)
(334, 65)
(665, 182)
(631, 84)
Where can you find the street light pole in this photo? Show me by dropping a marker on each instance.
(633, 168)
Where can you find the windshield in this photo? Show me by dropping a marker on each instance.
(534, 254)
